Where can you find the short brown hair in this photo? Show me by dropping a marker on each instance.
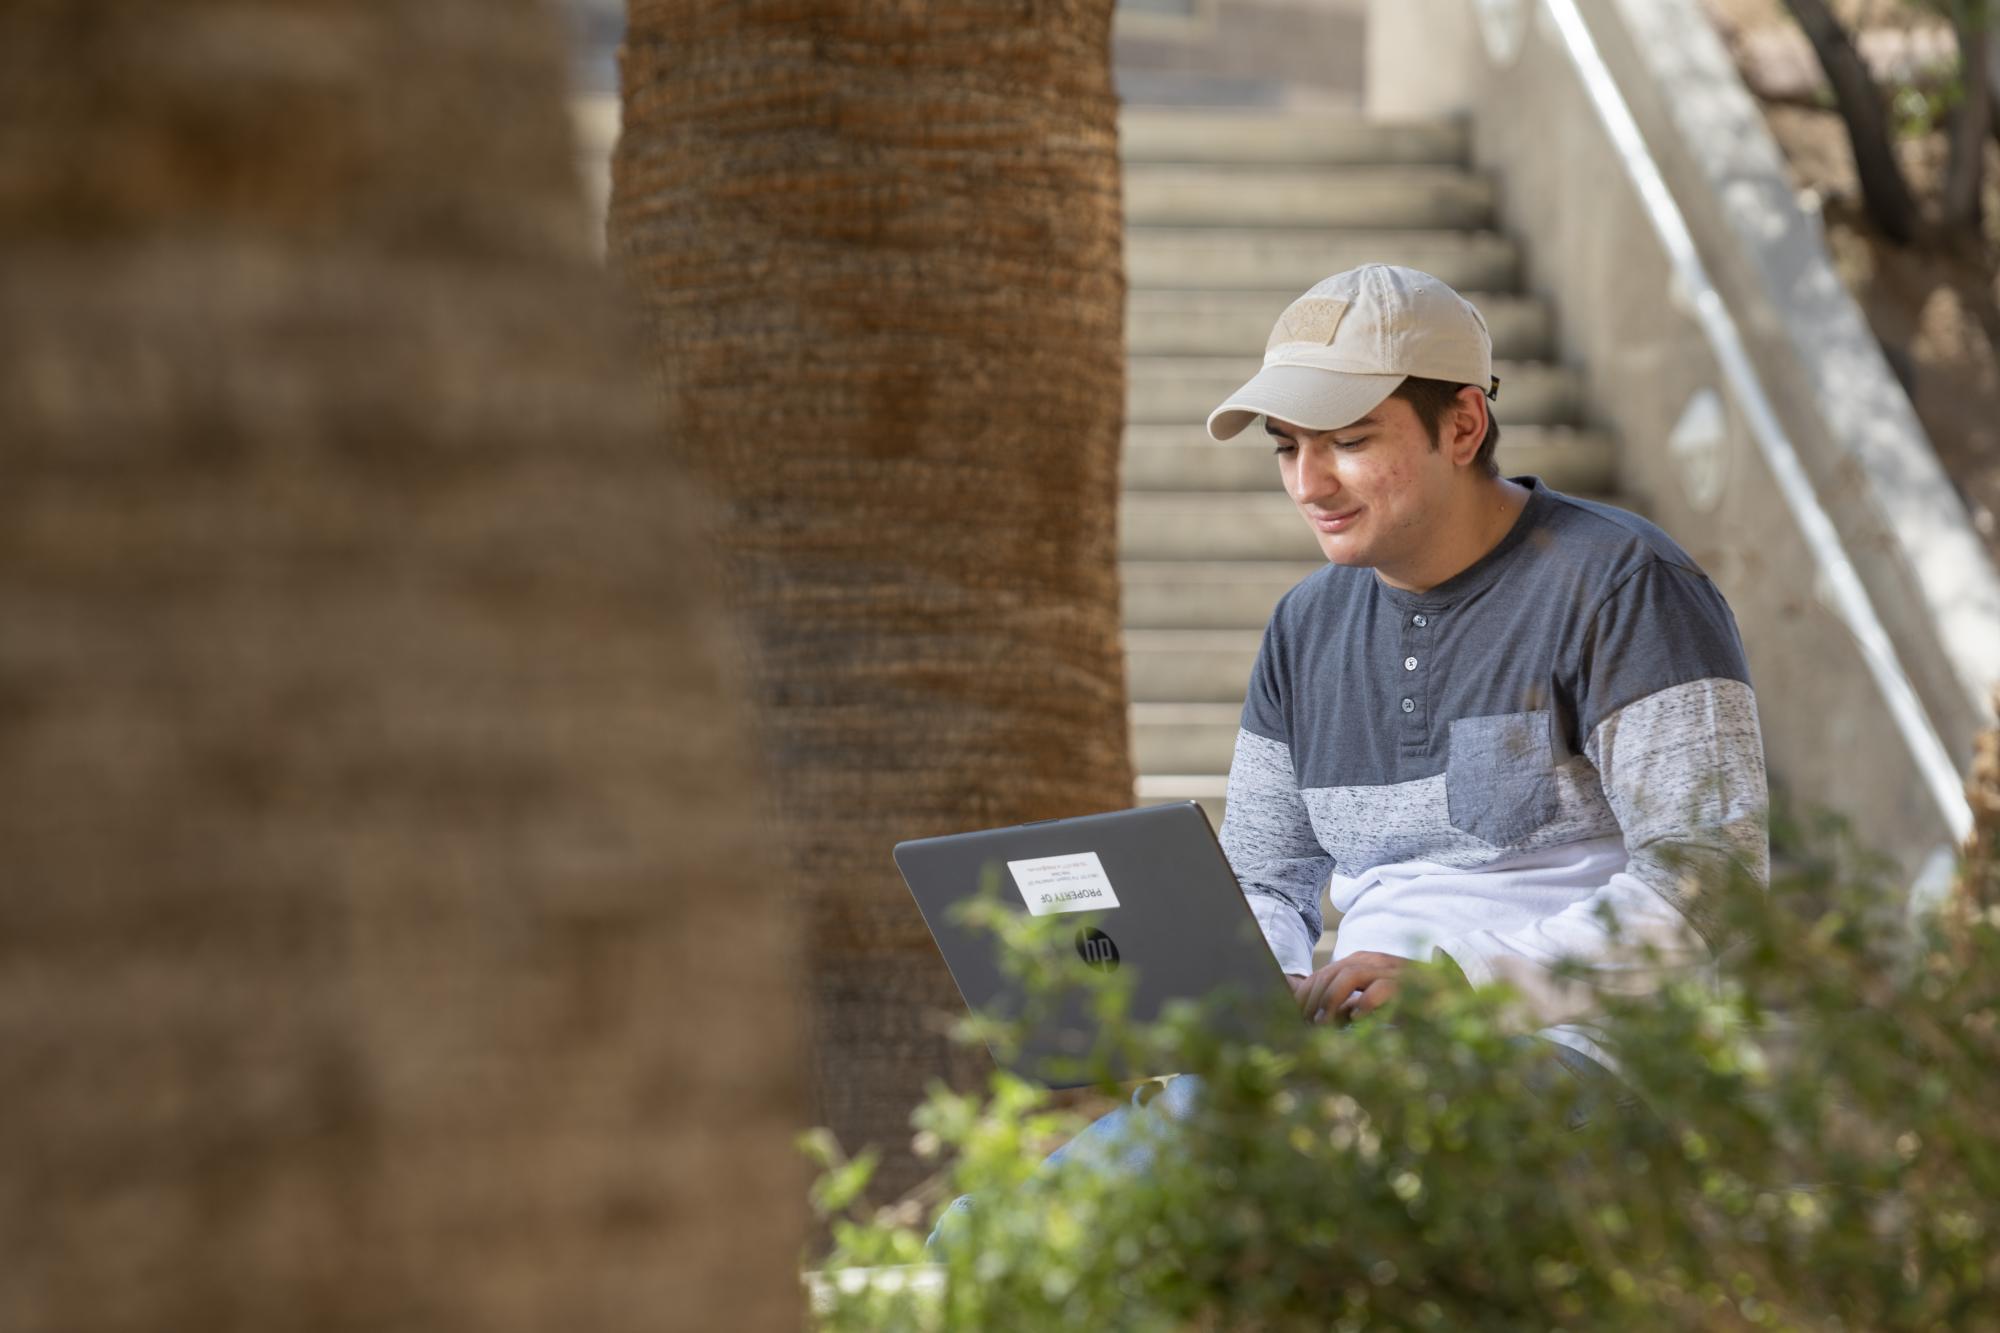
(1431, 399)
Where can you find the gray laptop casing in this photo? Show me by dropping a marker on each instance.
(1181, 925)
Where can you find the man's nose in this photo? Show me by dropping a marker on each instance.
(1317, 476)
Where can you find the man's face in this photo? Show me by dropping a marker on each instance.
(1373, 492)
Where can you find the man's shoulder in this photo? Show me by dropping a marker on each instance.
(1651, 618)
(1612, 544)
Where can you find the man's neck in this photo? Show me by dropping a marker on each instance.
(1486, 513)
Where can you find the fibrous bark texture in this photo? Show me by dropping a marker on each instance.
(377, 859)
(880, 248)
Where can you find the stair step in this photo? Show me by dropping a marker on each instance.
(1191, 525)
(1183, 390)
(1184, 458)
(1329, 140)
(1219, 525)
(1289, 260)
(1184, 737)
(1196, 323)
(1262, 196)
(1190, 594)
(1209, 789)
(1189, 666)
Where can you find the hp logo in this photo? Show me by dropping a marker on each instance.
(1095, 947)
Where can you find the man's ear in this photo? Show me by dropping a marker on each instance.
(1465, 425)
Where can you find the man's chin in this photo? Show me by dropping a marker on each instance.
(1342, 552)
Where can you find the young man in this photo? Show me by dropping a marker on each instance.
(1496, 710)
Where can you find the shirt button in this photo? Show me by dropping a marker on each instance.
(1420, 621)
(1409, 705)
(1409, 664)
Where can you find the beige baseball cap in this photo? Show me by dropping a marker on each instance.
(1344, 346)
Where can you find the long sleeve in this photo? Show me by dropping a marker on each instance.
(1672, 732)
(1266, 833)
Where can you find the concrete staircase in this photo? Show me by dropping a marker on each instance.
(1230, 215)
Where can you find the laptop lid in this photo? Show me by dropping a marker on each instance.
(1147, 891)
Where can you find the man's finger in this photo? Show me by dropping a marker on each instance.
(1302, 991)
(1373, 997)
(1346, 977)
(1319, 988)
(1348, 999)
(1336, 981)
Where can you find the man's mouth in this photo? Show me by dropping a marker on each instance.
(1333, 522)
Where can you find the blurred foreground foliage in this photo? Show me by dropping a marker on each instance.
(1818, 1148)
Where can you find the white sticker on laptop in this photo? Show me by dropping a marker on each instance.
(1072, 883)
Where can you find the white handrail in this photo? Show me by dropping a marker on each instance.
(1850, 598)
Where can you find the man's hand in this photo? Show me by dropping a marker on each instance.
(1333, 987)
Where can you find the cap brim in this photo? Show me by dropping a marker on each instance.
(1304, 396)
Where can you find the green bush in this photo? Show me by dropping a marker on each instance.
(1821, 1152)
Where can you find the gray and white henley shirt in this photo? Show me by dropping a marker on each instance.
(1479, 768)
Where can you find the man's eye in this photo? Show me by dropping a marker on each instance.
(1350, 444)
(1284, 447)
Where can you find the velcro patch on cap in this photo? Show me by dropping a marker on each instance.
(1310, 319)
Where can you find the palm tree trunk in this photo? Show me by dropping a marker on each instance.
(1965, 172)
(880, 247)
(1885, 193)
(369, 783)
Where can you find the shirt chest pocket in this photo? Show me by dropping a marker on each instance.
(1500, 780)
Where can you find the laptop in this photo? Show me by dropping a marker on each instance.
(1147, 891)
